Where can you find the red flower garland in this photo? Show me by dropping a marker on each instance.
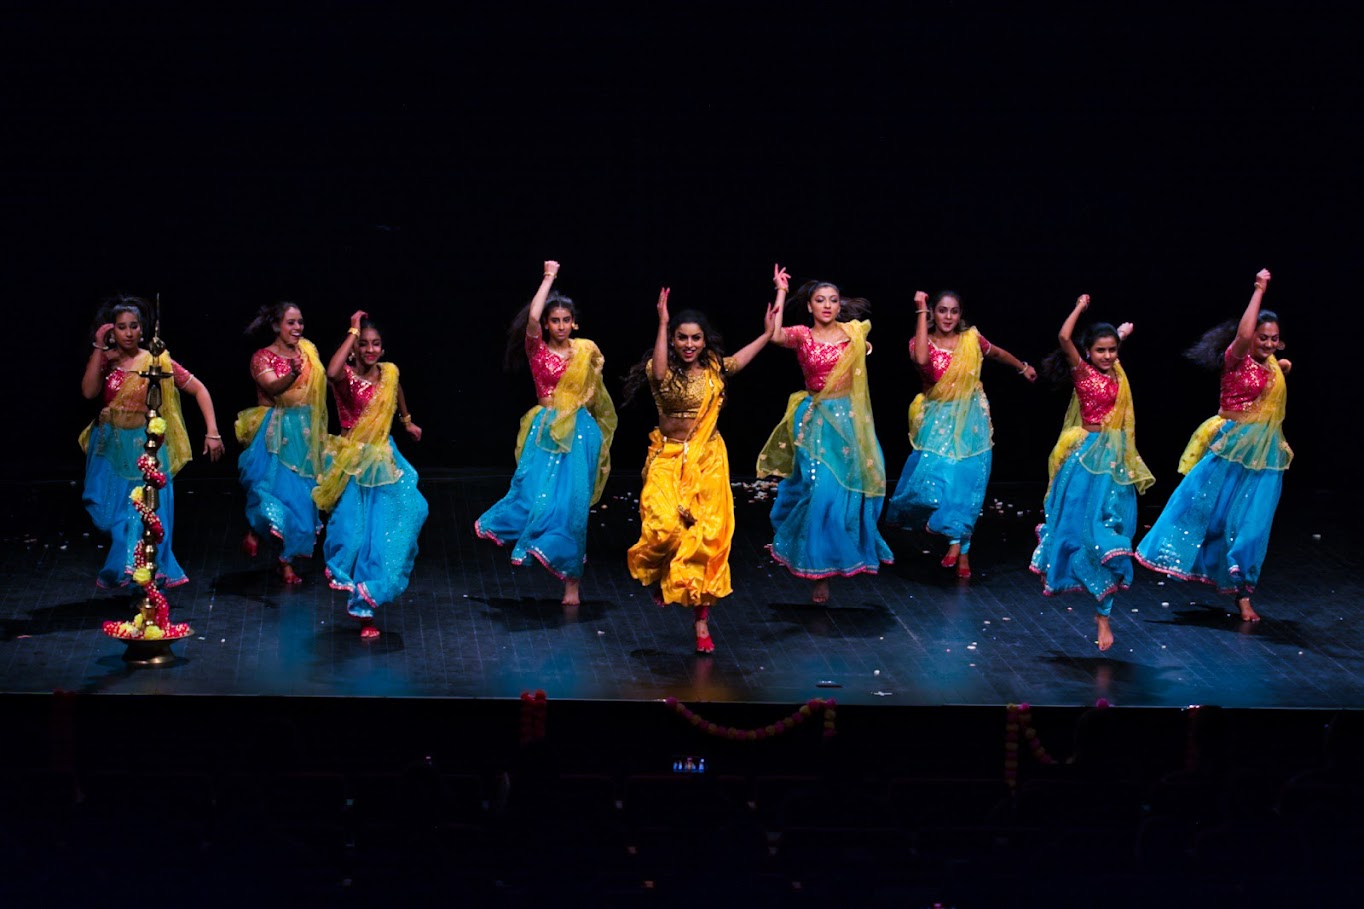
(1018, 718)
(786, 724)
(534, 709)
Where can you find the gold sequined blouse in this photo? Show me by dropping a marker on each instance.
(679, 395)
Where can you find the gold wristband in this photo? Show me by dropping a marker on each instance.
(405, 419)
(353, 331)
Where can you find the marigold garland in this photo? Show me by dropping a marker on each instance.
(1018, 719)
(825, 705)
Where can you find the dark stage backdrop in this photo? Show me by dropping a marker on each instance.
(422, 166)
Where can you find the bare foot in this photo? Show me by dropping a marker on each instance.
(250, 544)
(1105, 632)
(964, 566)
(656, 594)
(704, 643)
(819, 594)
(571, 586)
(1247, 613)
(367, 631)
(286, 572)
(953, 552)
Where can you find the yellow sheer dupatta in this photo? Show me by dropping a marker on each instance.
(1260, 444)
(847, 379)
(581, 385)
(310, 389)
(128, 410)
(954, 436)
(1115, 452)
(364, 453)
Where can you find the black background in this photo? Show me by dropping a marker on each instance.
(422, 165)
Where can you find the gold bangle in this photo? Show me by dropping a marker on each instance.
(405, 419)
(551, 274)
(353, 331)
(214, 438)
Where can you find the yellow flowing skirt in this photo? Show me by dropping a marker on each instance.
(686, 512)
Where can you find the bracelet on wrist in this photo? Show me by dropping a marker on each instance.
(405, 419)
(353, 331)
(551, 274)
(1024, 368)
(214, 438)
(101, 346)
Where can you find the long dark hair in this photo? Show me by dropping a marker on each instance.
(1055, 367)
(714, 353)
(515, 355)
(849, 308)
(937, 298)
(268, 315)
(1209, 350)
(110, 308)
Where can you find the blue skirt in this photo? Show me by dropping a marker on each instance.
(822, 528)
(1215, 527)
(545, 511)
(279, 501)
(110, 475)
(939, 493)
(1086, 543)
(371, 539)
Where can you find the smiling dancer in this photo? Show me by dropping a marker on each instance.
(283, 438)
(686, 508)
(942, 486)
(563, 451)
(116, 438)
(825, 448)
(1215, 528)
(368, 486)
(1091, 504)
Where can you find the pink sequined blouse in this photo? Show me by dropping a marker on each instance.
(1243, 381)
(353, 395)
(939, 358)
(816, 358)
(266, 360)
(546, 367)
(115, 377)
(1097, 392)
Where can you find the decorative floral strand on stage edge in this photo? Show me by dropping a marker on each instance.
(786, 724)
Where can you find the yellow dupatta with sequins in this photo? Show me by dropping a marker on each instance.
(1258, 443)
(128, 410)
(1115, 452)
(958, 389)
(364, 453)
(847, 379)
(310, 390)
(581, 385)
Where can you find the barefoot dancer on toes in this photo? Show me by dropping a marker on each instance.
(283, 438)
(825, 448)
(368, 486)
(942, 486)
(563, 451)
(1091, 504)
(1215, 528)
(116, 438)
(686, 508)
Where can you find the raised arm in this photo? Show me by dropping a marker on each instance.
(921, 352)
(744, 355)
(537, 302)
(783, 283)
(1246, 330)
(336, 367)
(661, 341)
(92, 382)
(405, 417)
(1001, 355)
(1068, 328)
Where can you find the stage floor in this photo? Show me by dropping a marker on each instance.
(471, 625)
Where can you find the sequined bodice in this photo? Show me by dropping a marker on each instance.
(939, 358)
(680, 395)
(352, 397)
(1243, 381)
(267, 360)
(1097, 392)
(816, 358)
(546, 367)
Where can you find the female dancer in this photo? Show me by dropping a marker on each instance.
(368, 486)
(942, 486)
(115, 440)
(825, 447)
(1096, 473)
(283, 438)
(686, 508)
(561, 472)
(1215, 528)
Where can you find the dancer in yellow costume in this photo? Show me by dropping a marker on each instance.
(686, 509)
